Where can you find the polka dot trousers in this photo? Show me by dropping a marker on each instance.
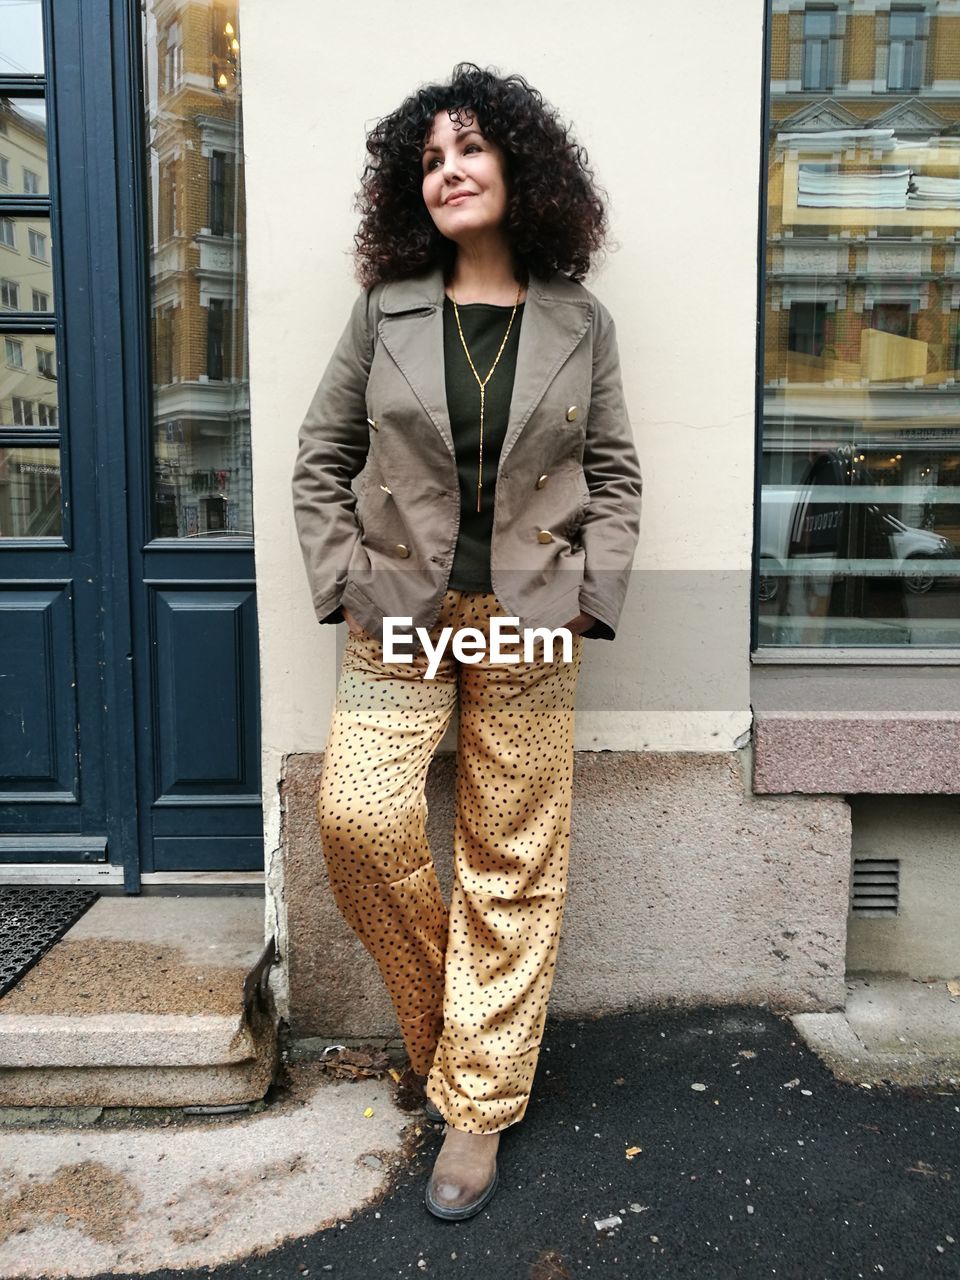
(470, 984)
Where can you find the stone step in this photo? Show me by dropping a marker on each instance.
(151, 1001)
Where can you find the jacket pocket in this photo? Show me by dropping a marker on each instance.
(581, 507)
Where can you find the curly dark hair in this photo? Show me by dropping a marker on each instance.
(556, 218)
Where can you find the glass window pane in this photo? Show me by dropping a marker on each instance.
(21, 37)
(26, 264)
(817, 24)
(23, 145)
(28, 380)
(904, 24)
(201, 418)
(860, 466)
(29, 493)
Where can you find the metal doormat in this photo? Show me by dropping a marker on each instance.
(32, 919)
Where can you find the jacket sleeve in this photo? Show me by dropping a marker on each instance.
(611, 527)
(334, 439)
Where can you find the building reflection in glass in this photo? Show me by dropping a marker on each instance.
(29, 401)
(201, 416)
(860, 516)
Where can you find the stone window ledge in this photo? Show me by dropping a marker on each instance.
(856, 729)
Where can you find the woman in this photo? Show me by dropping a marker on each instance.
(476, 394)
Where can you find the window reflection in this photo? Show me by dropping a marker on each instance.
(21, 37)
(860, 514)
(201, 421)
(29, 493)
(23, 147)
(28, 380)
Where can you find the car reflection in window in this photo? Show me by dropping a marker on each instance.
(816, 535)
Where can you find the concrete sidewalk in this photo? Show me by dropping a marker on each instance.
(707, 1142)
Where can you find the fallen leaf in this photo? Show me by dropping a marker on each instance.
(368, 1113)
(632, 1151)
(747, 1053)
(953, 986)
(356, 1064)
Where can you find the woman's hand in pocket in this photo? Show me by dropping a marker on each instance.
(581, 623)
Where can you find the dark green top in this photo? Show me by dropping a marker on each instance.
(483, 328)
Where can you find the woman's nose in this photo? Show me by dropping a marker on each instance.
(451, 166)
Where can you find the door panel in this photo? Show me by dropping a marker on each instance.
(38, 706)
(206, 641)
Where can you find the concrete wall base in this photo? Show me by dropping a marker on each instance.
(684, 889)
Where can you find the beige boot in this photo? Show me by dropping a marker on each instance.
(465, 1174)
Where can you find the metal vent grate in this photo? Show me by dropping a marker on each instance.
(876, 887)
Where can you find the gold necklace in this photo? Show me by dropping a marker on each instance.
(483, 384)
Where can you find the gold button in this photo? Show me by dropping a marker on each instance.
(572, 413)
(542, 481)
(401, 550)
(386, 488)
(544, 536)
(374, 423)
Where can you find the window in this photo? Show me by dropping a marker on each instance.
(214, 513)
(40, 301)
(47, 415)
(224, 47)
(46, 363)
(163, 346)
(38, 244)
(6, 233)
(172, 59)
(818, 38)
(808, 325)
(22, 412)
(907, 52)
(13, 353)
(10, 295)
(216, 324)
(891, 317)
(859, 525)
(167, 215)
(4, 171)
(31, 182)
(194, 174)
(221, 210)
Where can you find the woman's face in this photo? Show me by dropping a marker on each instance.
(464, 185)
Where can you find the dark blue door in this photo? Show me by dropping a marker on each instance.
(129, 698)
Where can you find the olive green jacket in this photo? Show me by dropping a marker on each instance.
(375, 487)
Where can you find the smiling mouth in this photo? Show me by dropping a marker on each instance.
(461, 195)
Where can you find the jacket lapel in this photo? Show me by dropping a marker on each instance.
(555, 318)
(412, 331)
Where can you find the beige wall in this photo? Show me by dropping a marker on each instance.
(667, 100)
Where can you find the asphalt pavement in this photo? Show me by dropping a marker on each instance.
(674, 1143)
